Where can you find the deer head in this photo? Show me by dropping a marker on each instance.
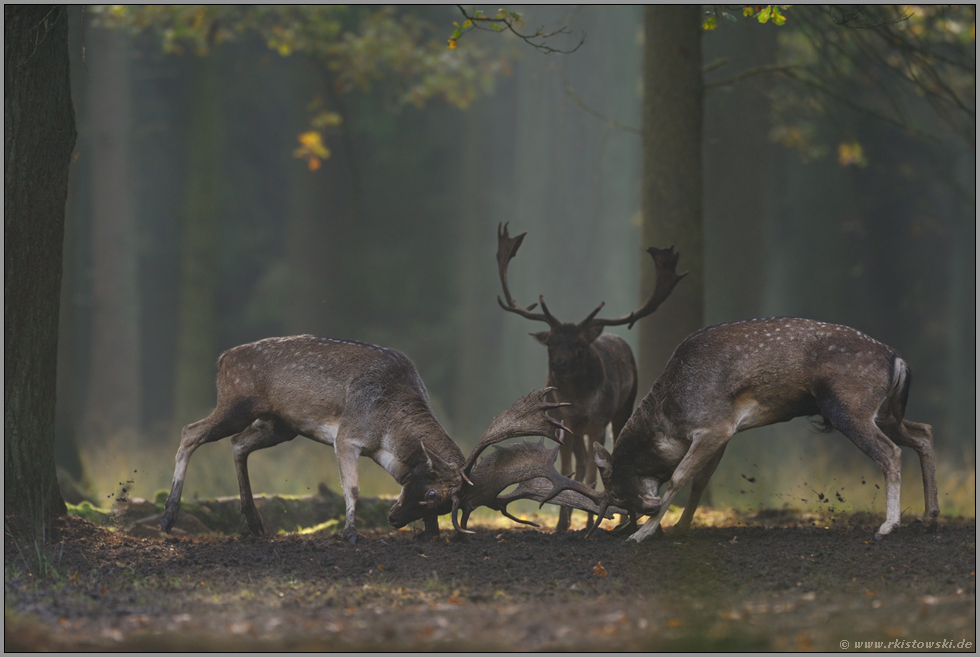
(429, 489)
(568, 343)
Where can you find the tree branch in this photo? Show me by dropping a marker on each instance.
(508, 20)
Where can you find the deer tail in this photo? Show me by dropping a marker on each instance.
(899, 392)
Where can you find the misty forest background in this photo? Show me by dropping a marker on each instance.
(205, 211)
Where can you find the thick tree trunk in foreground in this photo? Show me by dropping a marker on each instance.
(671, 203)
(39, 135)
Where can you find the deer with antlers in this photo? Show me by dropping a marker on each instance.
(594, 372)
(369, 401)
(731, 377)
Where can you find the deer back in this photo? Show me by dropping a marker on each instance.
(330, 389)
(748, 374)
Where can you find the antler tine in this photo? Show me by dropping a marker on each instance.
(456, 526)
(507, 247)
(599, 516)
(548, 317)
(585, 322)
(665, 261)
(526, 417)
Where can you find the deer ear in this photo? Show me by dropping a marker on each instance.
(437, 465)
(541, 337)
(603, 461)
(592, 332)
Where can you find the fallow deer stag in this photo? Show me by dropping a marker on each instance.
(592, 370)
(736, 376)
(364, 400)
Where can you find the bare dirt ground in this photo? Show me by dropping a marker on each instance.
(768, 581)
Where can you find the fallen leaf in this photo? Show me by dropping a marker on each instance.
(675, 622)
(599, 570)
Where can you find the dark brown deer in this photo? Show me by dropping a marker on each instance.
(593, 371)
(736, 376)
(363, 400)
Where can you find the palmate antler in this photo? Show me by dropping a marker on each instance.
(526, 417)
(665, 260)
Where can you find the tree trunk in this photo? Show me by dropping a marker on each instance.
(197, 312)
(671, 125)
(39, 135)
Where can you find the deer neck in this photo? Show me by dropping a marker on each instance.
(583, 376)
(403, 444)
(649, 437)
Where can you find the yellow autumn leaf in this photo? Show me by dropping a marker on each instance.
(313, 141)
(452, 44)
(599, 570)
(326, 119)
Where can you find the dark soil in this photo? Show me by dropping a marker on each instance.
(771, 581)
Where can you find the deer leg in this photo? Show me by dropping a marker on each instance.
(431, 527)
(566, 451)
(918, 436)
(591, 469)
(216, 426)
(697, 489)
(872, 441)
(347, 455)
(705, 445)
(261, 434)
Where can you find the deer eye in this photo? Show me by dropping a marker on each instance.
(430, 496)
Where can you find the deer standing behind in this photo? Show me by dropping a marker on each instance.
(593, 371)
(736, 376)
(369, 401)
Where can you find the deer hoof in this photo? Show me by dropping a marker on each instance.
(350, 535)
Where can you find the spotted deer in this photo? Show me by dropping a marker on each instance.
(731, 377)
(369, 401)
(594, 371)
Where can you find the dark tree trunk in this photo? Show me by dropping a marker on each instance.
(39, 135)
(671, 203)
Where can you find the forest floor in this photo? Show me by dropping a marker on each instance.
(778, 580)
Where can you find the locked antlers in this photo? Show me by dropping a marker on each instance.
(526, 417)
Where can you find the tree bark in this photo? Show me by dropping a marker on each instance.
(671, 203)
(39, 135)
